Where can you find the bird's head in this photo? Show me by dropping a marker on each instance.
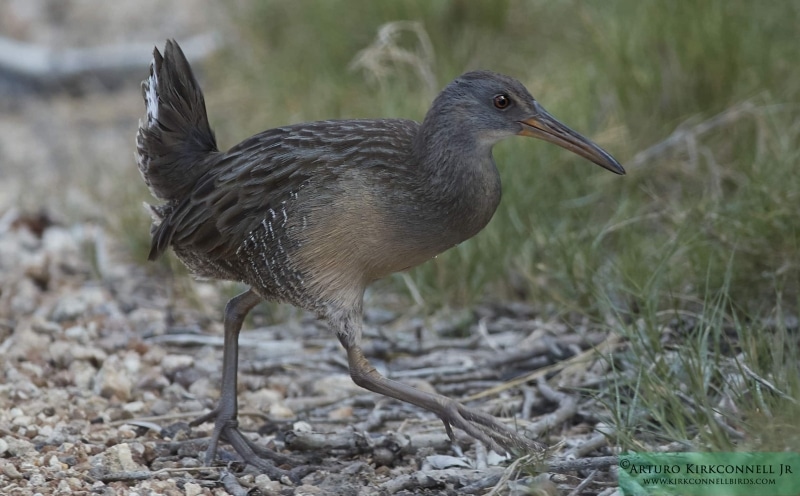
(489, 107)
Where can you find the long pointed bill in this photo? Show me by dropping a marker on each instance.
(544, 126)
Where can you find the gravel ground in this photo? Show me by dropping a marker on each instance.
(104, 365)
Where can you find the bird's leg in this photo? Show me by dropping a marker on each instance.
(479, 425)
(224, 415)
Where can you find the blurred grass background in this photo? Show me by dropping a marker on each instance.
(693, 257)
(714, 205)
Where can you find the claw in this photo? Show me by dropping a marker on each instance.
(264, 459)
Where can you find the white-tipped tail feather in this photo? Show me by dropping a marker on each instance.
(150, 89)
(174, 144)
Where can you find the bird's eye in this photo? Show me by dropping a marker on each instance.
(502, 101)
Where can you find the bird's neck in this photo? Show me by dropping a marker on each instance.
(459, 176)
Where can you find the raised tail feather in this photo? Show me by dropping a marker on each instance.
(175, 142)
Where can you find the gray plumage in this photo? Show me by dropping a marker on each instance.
(312, 213)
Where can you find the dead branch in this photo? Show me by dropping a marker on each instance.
(596, 463)
(584, 484)
(231, 484)
(266, 347)
(138, 475)
(353, 442)
(567, 408)
(595, 442)
(684, 134)
(747, 370)
(436, 478)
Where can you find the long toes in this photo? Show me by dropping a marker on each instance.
(266, 453)
(486, 438)
(296, 474)
(490, 431)
(265, 459)
(454, 415)
(260, 457)
(268, 468)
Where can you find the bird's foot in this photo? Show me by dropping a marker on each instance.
(479, 425)
(487, 429)
(226, 427)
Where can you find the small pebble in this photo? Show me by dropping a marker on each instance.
(279, 410)
(336, 385)
(302, 426)
(306, 490)
(345, 412)
(117, 458)
(36, 479)
(134, 406)
(69, 308)
(77, 333)
(193, 489)
(173, 363)
(19, 447)
(10, 470)
(113, 380)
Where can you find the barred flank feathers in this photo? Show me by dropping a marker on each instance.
(174, 144)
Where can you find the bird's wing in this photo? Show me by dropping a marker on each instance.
(236, 194)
